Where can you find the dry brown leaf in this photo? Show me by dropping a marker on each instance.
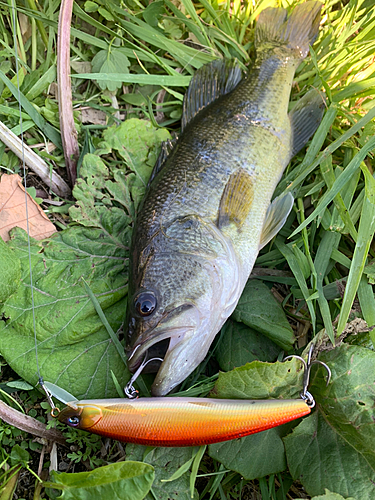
(13, 210)
(95, 116)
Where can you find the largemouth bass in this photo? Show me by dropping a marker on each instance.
(208, 210)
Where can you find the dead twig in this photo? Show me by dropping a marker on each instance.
(67, 126)
(34, 162)
(29, 424)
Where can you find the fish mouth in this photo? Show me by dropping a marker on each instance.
(156, 348)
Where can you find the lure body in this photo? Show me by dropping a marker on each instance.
(180, 421)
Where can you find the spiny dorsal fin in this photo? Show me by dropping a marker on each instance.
(210, 82)
(276, 216)
(166, 148)
(236, 199)
(305, 118)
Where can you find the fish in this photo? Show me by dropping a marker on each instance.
(207, 210)
(170, 421)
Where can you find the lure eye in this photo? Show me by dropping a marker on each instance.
(145, 303)
(73, 421)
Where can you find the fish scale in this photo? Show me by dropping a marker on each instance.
(217, 182)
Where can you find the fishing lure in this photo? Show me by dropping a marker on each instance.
(175, 421)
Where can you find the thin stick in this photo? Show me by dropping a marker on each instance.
(67, 126)
(34, 162)
(29, 424)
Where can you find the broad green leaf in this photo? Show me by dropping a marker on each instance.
(266, 450)
(107, 15)
(10, 271)
(333, 448)
(153, 12)
(259, 380)
(21, 385)
(109, 61)
(240, 344)
(94, 206)
(138, 143)
(19, 455)
(118, 481)
(74, 348)
(91, 6)
(166, 461)
(320, 458)
(259, 309)
(328, 495)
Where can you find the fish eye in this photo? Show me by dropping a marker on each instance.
(145, 303)
(73, 421)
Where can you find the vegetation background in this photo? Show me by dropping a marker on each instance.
(130, 64)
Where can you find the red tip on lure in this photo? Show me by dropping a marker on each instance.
(180, 421)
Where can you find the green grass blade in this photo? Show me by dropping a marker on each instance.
(48, 130)
(366, 301)
(330, 240)
(190, 9)
(365, 235)
(328, 151)
(194, 469)
(296, 270)
(294, 178)
(340, 182)
(339, 257)
(141, 79)
(329, 177)
(99, 310)
(179, 472)
(119, 389)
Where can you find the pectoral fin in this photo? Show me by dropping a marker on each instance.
(305, 118)
(276, 216)
(236, 199)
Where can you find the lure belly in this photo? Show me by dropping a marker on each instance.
(180, 421)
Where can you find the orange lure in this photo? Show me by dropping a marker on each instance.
(180, 421)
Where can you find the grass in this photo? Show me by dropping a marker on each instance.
(328, 236)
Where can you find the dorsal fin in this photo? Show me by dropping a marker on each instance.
(166, 148)
(210, 82)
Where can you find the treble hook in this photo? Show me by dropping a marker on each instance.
(305, 394)
(129, 389)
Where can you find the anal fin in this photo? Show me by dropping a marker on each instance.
(236, 199)
(305, 118)
(276, 216)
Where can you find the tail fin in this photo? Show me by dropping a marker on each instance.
(297, 32)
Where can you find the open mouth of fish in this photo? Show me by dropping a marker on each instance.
(155, 349)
